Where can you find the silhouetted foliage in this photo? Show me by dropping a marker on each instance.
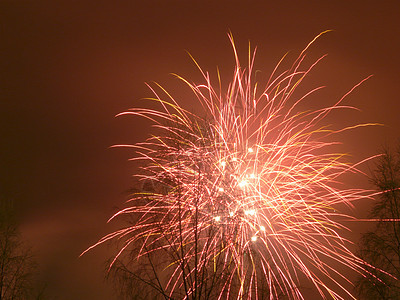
(16, 262)
(155, 263)
(381, 247)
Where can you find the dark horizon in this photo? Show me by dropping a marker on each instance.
(67, 68)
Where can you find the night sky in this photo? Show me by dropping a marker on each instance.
(68, 67)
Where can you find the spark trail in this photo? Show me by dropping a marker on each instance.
(241, 202)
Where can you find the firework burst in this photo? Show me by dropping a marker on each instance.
(241, 202)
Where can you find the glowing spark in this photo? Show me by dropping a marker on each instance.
(242, 183)
(250, 212)
(254, 238)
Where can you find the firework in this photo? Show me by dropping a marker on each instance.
(240, 200)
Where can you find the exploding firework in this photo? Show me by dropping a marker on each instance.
(241, 200)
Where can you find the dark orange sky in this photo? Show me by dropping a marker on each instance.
(67, 67)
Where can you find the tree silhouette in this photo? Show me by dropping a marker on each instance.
(170, 263)
(16, 262)
(381, 247)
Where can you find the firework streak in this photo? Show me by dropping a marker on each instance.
(241, 202)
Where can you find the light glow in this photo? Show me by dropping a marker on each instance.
(250, 212)
(242, 183)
